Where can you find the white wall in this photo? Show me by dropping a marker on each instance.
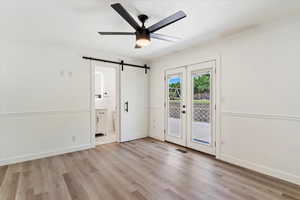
(260, 84)
(44, 99)
(106, 78)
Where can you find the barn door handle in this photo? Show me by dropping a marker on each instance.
(126, 106)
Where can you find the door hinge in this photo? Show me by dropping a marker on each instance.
(165, 131)
(215, 143)
(215, 106)
(165, 78)
(165, 104)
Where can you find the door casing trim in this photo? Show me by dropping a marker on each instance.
(218, 135)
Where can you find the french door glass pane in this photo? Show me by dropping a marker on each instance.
(174, 105)
(201, 107)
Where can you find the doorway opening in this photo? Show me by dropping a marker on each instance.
(106, 104)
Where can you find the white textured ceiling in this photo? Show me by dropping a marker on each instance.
(76, 22)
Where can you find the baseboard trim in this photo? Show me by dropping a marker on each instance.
(156, 137)
(29, 157)
(134, 138)
(106, 140)
(261, 169)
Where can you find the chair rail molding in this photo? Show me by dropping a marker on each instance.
(261, 116)
(47, 112)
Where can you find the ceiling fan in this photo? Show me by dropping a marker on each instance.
(143, 34)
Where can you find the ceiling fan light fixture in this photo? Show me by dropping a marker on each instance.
(143, 38)
(143, 42)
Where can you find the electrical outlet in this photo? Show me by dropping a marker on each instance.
(74, 139)
(154, 123)
(62, 73)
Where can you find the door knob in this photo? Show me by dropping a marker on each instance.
(183, 112)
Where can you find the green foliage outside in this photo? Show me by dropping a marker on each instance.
(202, 83)
(174, 91)
(174, 85)
(201, 101)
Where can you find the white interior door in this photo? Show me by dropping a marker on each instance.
(175, 107)
(201, 107)
(134, 104)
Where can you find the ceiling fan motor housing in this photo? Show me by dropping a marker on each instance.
(143, 34)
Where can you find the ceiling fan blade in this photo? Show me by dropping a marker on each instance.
(116, 33)
(121, 10)
(164, 37)
(167, 21)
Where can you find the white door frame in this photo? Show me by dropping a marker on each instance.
(92, 100)
(217, 59)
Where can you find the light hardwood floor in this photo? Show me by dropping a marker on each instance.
(138, 170)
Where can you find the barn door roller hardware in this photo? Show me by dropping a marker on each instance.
(122, 63)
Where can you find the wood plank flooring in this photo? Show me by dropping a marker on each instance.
(138, 170)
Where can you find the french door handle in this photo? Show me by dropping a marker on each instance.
(126, 106)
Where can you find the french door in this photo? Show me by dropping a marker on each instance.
(190, 106)
(176, 106)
